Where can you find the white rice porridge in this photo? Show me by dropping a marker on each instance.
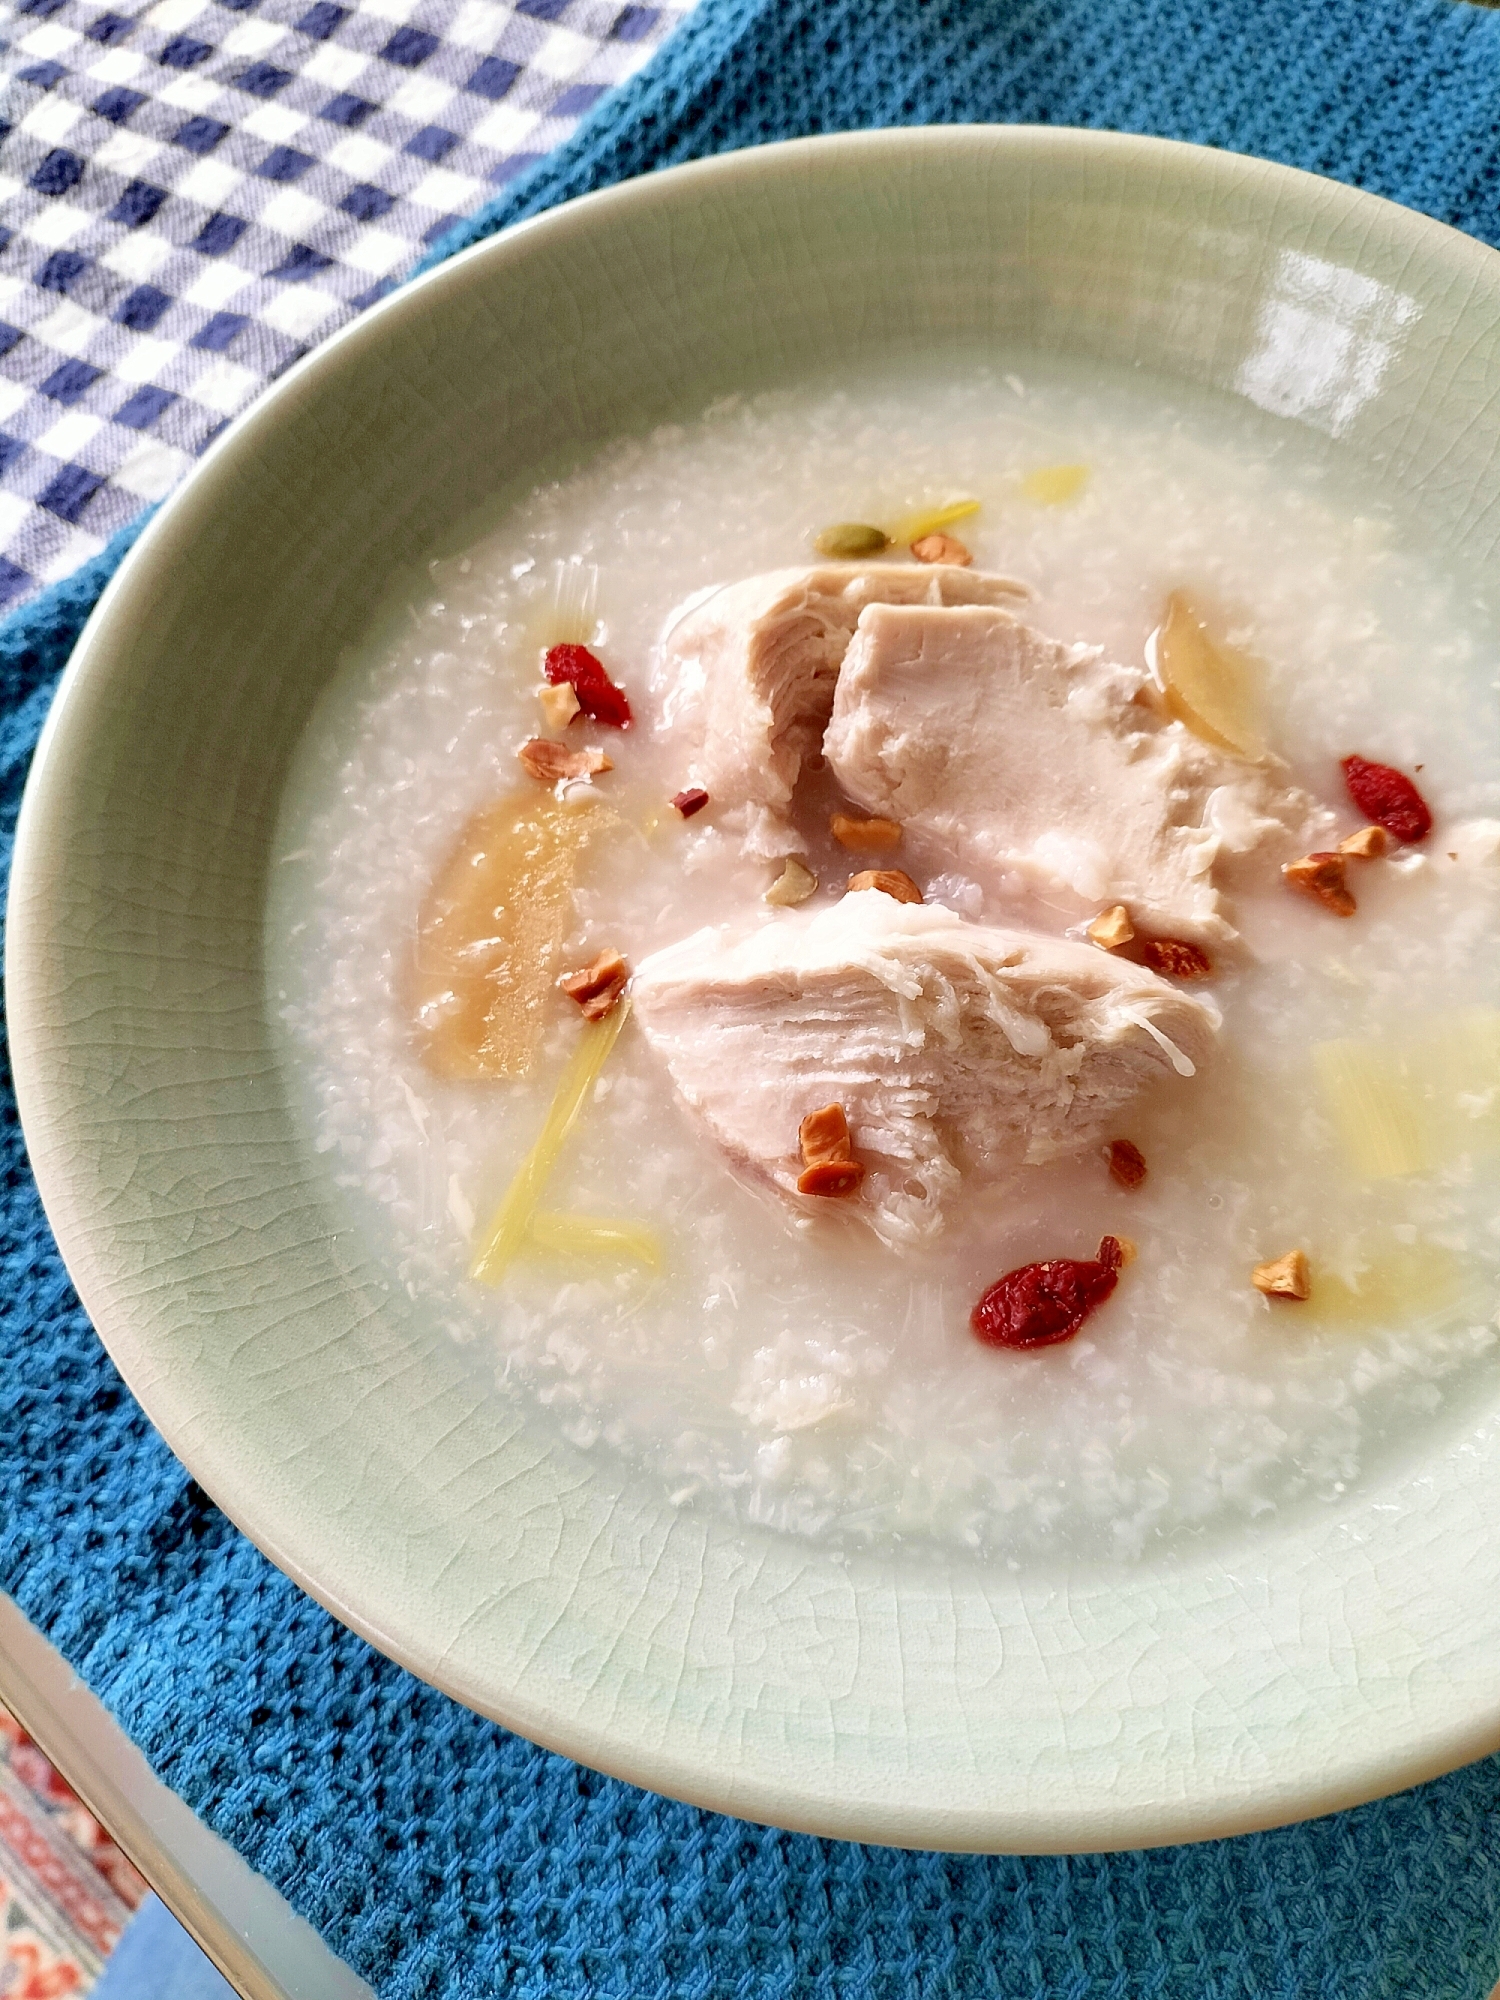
(797, 1372)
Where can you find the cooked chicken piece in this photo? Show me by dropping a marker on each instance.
(747, 675)
(954, 1049)
(1044, 769)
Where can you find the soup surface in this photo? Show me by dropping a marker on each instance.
(790, 1367)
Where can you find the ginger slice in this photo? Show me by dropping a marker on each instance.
(1378, 1106)
(1055, 485)
(569, 1235)
(1404, 1285)
(930, 522)
(1208, 686)
(567, 613)
(1406, 1106)
(509, 1226)
(490, 930)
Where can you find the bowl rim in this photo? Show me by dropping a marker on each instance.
(1305, 1791)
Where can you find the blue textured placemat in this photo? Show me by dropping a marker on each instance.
(442, 1857)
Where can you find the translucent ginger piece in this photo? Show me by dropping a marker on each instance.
(1370, 1093)
(1458, 1068)
(1409, 1107)
(575, 603)
(1055, 485)
(566, 614)
(595, 1236)
(512, 1220)
(1404, 1286)
(489, 933)
(1209, 687)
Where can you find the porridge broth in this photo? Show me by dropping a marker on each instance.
(797, 1372)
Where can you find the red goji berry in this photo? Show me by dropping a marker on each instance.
(1041, 1304)
(597, 694)
(1389, 798)
(1127, 1163)
(1176, 957)
(691, 801)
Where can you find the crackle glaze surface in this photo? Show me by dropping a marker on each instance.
(924, 1699)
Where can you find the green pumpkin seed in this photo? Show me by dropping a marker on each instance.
(849, 539)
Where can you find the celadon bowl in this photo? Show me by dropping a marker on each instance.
(897, 1695)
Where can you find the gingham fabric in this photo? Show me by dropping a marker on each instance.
(195, 192)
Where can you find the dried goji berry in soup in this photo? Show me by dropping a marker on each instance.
(1038, 1305)
(1388, 797)
(597, 694)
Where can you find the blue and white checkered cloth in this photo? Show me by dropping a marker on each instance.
(194, 192)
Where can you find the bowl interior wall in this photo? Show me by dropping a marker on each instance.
(247, 1316)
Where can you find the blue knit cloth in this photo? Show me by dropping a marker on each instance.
(442, 1857)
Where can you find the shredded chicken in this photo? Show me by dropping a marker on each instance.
(748, 673)
(1037, 767)
(954, 1049)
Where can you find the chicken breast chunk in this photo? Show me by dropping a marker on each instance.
(747, 675)
(956, 1050)
(1043, 769)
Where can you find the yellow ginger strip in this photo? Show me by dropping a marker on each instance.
(507, 1230)
(1054, 485)
(595, 1236)
(915, 526)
